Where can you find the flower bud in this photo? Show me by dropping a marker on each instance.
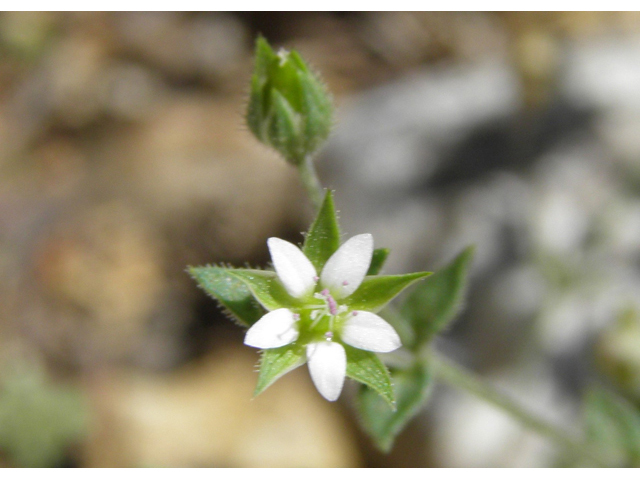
(289, 108)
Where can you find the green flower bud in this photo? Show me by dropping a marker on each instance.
(289, 108)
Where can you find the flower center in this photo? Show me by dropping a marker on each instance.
(329, 309)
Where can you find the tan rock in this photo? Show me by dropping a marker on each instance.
(204, 415)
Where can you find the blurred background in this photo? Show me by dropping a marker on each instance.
(124, 158)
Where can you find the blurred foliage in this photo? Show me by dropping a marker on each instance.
(618, 352)
(39, 419)
(613, 426)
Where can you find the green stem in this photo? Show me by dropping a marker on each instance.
(311, 182)
(457, 376)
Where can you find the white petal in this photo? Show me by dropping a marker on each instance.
(367, 331)
(275, 329)
(344, 271)
(294, 269)
(328, 366)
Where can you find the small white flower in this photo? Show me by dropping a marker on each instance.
(326, 322)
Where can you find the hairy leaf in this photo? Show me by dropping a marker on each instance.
(434, 303)
(323, 238)
(366, 368)
(412, 388)
(378, 290)
(265, 287)
(232, 293)
(277, 362)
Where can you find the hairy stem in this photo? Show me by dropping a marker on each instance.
(311, 182)
(459, 377)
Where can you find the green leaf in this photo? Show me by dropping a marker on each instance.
(614, 426)
(277, 362)
(265, 287)
(431, 306)
(412, 387)
(377, 261)
(366, 368)
(323, 238)
(232, 293)
(376, 291)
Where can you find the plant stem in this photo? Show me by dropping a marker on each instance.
(311, 182)
(459, 377)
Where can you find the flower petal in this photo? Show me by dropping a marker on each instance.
(294, 269)
(367, 331)
(344, 271)
(275, 329)
(328, 366)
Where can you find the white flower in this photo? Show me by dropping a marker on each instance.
(322, 318)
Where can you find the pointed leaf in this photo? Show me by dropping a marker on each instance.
(377, 261)
(232, 293)
(432, 305)
(614, 426)
(265, 287)
(376, 291)
(366, 368)
(323, 238)
(412, 387)
(277, 362)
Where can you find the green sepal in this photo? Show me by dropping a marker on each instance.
(378, 290)
(232, 293)
(284, 129)
(432, 305)
(256, 110)
(377, 260)
(264, 58)
(412, 388)
(365, 367)
(277, 362)
(613, 426)
(317, 109)
(266, 288)
(323, 238)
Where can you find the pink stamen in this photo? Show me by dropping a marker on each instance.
(354, 313)
(316, 278)
(328, 335)
(345, 283)
(331, 303)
